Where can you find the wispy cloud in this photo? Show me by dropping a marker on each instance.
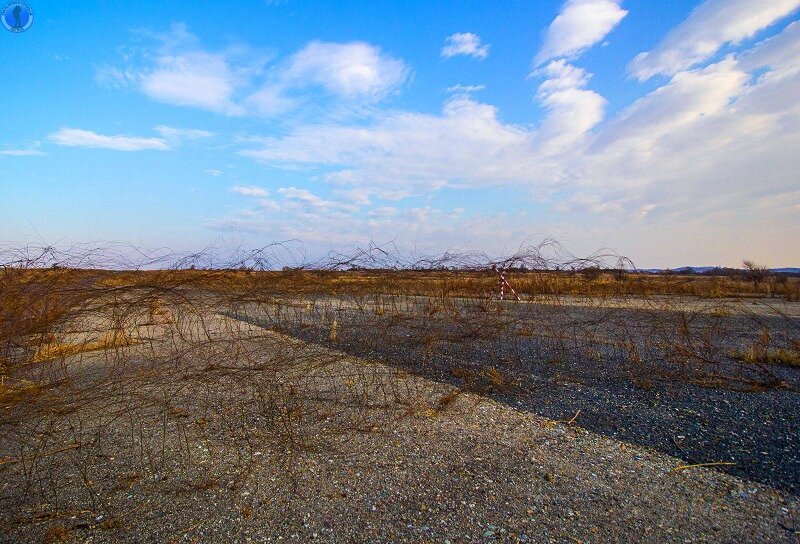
(250, 190)
(213, 171)
(195, 79)
(171, 137)
(271, 100)
(465, 88)
(74, 137)
(173, 68)
(465, 43)
(580, 25)
(242, 81)
(712, 25)
(407, 152)
(172, 133)
(312, 201)
(116, 78)
(420, 225)
(355, 72)
(346, 69)
(384, 211)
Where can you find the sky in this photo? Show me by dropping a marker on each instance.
(666, 131)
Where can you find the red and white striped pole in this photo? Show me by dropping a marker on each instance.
(503, 283)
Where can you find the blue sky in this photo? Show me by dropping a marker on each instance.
(667, 131)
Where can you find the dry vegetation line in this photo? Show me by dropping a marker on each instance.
(125, 393)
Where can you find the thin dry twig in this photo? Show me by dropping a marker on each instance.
(554, 422)
(695, 465)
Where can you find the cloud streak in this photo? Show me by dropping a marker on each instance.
(74, 137)
(171, 137)
(465, 89)
(172, 133)
(250, 190)
(709, 27)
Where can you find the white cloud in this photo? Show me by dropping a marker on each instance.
(580, 25)
(465, 89)
(466, 145)
(780, 53)
(561, 75)
(405, 152)
(355, 69)
(688, 99)
(712, 25)
(196, 79)
(709, 147)
(250, 190)
(355, 72)
(172, 68)
(213, 171)
(698, 166)
(86, 138)
(788, 201)
(170, 138)
(465, 43)
(270, 100)
(572, 110)
(384, 211)
(359, 197)
(691, 128)
(238, 81)
(422, 227)
(172, 133)
(312, 201)
(269, 205)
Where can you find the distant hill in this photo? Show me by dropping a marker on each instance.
(713, 270)
(695, 269)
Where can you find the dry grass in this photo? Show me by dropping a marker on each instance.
(137, 371)
(13, 392)
(537, 282)
(780, 356)
(60, 350)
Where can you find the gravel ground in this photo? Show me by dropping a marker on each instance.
(687, 412)
(479, 472)
(431, 466)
